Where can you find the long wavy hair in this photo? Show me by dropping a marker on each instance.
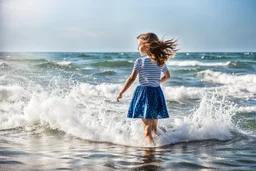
(158, 50)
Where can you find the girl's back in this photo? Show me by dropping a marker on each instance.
(149, 73)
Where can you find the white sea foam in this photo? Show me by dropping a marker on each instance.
(101, 90)
(64, 63)
(197, 63)
(87, 68)
(236, 85)
(60, 63)
(182, 93)
(12, 100)
(211, 120)
(4, 65)
(90, 112)
(10, 93)
(247, 109)
(219, 77)
(2, 78)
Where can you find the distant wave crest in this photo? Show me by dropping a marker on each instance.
(197, 63)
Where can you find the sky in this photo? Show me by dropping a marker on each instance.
(113, 25)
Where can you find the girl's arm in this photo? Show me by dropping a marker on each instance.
(165, 77)
(127, 84)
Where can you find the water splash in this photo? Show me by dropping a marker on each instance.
(88, 112)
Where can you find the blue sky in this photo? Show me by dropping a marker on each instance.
(113, 25)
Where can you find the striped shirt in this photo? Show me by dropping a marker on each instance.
(149, 73)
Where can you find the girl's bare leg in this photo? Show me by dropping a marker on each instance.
(154, 129)
(147, 125)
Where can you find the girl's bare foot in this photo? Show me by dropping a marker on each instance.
(151, 142)
(155, 132)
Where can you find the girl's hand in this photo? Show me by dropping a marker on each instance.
(119, 97)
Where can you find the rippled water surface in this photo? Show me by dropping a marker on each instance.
(58, 112)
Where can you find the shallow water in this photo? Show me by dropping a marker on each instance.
(58, 112)
(53, 150)
(49, 151)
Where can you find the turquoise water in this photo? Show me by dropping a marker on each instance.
(58, 112)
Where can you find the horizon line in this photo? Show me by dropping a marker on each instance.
(121, 52)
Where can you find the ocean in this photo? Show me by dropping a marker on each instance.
(58, 111)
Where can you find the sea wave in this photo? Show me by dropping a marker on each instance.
(243, 64)
(113, 64)
(64, 63)
(34, 60)
(50, 64)
(223, 78)
(4, 65)
(84, 112)
(105, 73)
(84, 55)
(10, 93)
(247, 109)
(181, 93)
(240, 86)
(197, 63)
(215, 57)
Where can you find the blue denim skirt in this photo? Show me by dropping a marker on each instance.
(148, 103)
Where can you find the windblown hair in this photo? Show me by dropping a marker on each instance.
(158, 50)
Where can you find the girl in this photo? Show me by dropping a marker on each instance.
(148, 102)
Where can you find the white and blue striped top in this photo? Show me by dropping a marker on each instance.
(149, 73)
